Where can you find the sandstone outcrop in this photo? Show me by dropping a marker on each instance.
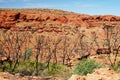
(98, 74)
(10, 19)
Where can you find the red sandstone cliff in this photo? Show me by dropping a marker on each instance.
(52, 19)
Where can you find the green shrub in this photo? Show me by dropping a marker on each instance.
(101, 56)
(86, 66)
(116, 67)
(28, 68)
(56, 70)
(27, 54)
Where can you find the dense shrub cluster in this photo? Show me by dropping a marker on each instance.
(86, 66)
(116, 67)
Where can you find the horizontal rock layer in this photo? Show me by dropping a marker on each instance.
(50, 20)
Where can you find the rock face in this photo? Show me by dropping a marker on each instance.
(35, 18)
(98, 74)
(77, 77)
(18, 76)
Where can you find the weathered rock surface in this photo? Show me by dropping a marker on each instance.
(8, 76)
(98, 74)
(37, 18)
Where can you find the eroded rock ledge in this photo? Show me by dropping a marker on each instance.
(50, 20)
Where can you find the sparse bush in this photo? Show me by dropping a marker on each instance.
(116, 67)
(5, 66)
(86, 66)
(56, 70)
(28, 68)
(101, 56)
(27, 54)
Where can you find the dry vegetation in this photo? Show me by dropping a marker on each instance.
(52, 49)
(50, 54)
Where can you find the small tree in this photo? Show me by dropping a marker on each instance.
(38, 47)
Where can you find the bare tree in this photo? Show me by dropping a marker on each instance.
(12, 43)
(54, 49)
(38, 46)
(64, 49)
(111, 42)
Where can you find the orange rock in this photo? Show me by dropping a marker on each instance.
(63, 19)
(31, 17)
(45, 17)
(8, 18)
(22, 17)
(53, 17)
(12, 16)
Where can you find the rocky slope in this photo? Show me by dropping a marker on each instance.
(56, 24)
(50, 20)
(98, 74)
(8, 76)
(61, 22)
